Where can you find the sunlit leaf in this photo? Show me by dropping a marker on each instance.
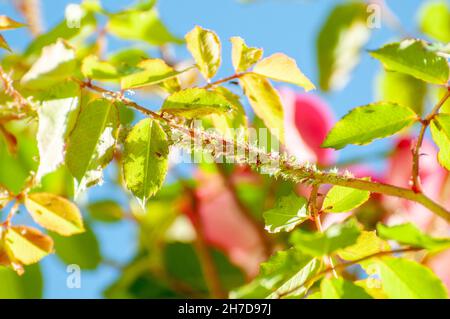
(244, 57)
(339, 44)
(365, 123)
(283, 271)
(265, 102)
(92, 142)
(402, 89)
(57, 62)
(368, 243)
(298, 285)
(339, 288)
(26, 245)
(57, 114)
(280, 67)
(289, 212)
(95, 69)
(413, 58)
(435, 20)
(409, 234)
(145, 160)
(406, 279)
(63, 30)
(337, 236)
(205, 47)
(341, 199)
(55, 213)
(440, 130)
(151, 72)
(141, 24)
(196, 102)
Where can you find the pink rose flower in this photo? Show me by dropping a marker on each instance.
(307, 121)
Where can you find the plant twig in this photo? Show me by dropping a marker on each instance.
(316, 216)
(226, 79)
(416, 184)
(288, 170)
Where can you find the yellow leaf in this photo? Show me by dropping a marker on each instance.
(7, 23)
(243, 57)
(280, 67)
(205, 47)
(26, 245)
(266, 103)
(4, 44)
(55, 213)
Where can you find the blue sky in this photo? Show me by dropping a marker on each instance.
(288, 26)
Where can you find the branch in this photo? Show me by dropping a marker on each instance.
(316, 216)
(348, 264)
(227, 79)
(417, 187)
(286, 168)
(7, 83)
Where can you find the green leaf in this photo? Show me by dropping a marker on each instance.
(280, 67)
(339, 288)
(337, 236)
(289, 212)
(151, 72)
(82, 249)
(435, 20)
(341, 199)
(405, 279)
(409, 234)
(19, 166)
(196, 102)
(365, 123)
(28, 286)
(56, 63)
(298, 285)
(339, 44)
(402, 89)
(141, 24)
(55, 213)
(145, 161)
(412, 57)
(244, 57)
(106, 211)
(265, 102)
(95, 69)
(368, 244)
(440, 131)
(92, 142)
(176, 254)
(205, 47)
(235, 120)
(57, 114)
(127, 59)
(283, 268)
(63, 31)
(7, 23)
